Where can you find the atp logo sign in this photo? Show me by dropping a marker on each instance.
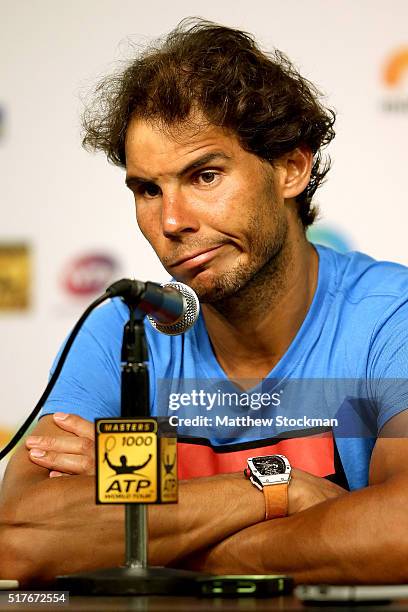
(127, 461)
(136, 461)
(395, 79)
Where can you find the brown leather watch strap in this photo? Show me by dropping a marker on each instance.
(276, 500)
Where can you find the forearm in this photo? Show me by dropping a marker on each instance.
(208, 511)
(56, 527)
(358, 537)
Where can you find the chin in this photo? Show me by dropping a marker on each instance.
(211, 288)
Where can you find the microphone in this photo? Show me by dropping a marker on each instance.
(172, 308)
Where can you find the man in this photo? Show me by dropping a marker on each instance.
(222, 149)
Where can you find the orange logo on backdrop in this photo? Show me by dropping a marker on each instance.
(5, 436)
(396, 67)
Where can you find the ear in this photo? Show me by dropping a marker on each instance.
(296, 167)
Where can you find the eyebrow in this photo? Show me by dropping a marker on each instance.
(132, 181)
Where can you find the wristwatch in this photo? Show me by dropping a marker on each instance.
(271, 474)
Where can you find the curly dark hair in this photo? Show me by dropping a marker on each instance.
(221, 72)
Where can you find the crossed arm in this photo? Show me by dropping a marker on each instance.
(50, 524)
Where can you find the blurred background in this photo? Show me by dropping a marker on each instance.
(67, 226)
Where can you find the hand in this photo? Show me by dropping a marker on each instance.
(306, 490)
(65, 455)
(235, 554)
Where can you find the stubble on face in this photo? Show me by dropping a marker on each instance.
(245, 287)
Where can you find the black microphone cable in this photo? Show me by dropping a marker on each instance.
(20, 433)
(130, 291)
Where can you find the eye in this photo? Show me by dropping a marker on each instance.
(149, 190)
(207, 177)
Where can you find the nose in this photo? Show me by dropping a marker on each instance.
(178, 214)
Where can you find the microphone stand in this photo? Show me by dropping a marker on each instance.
(135, 402)
(135, 577)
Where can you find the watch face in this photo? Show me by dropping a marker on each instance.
(269, 465)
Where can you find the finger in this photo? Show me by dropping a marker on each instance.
(55, 474)
(74, 424)
(62, 444)
(62, 462)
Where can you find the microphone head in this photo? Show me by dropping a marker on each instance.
(190, 312)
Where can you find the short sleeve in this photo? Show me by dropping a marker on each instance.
(387, 366)
(89, 383)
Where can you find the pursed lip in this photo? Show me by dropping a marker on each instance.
(199, 256)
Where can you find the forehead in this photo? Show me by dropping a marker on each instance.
(153, 149)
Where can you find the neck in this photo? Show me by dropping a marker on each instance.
(251, 330)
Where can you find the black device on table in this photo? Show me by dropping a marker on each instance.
(244, 586)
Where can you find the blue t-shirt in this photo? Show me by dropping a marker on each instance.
(344, 375)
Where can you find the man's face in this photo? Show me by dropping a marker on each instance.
(213, 212)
